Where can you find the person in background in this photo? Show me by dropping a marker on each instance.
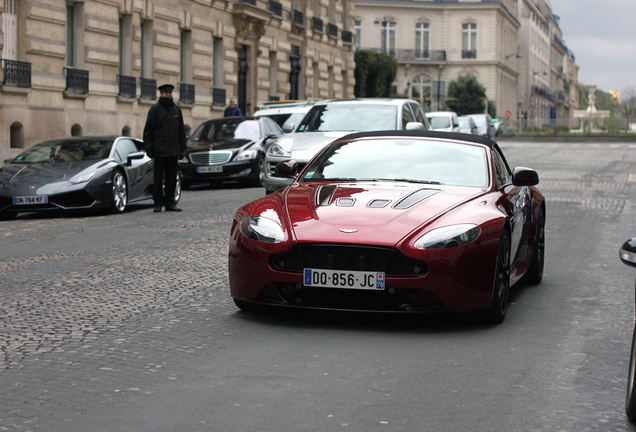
(165, 142)
(232, 110)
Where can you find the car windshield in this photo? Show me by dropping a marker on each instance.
(287, 118)
(464, 123)
(439, 122)
(402, 159)
(480, 121)
(227, 129)
(349, 118)
(65, 151)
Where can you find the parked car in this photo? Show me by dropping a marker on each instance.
(228, 149)
(287, 114)
(484, 125)
(628, 256)
(467, 125)
(443, 121)
(398, 221)
(77, 173)
(331, 119)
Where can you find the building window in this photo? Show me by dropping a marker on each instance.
(186, 56)
(421, 40)
(70, 35)
(388, 38)
(273, 73)
(469, 40)
(16, 135)
(10, 30)
(358, 29)
(146, 49)
(125, 45)
(217, 63)
(76, 130)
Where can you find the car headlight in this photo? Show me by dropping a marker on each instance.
(448, 237)
(184, 160)
(279, 150)
(82, 177)
(262, 229)
(246, 154)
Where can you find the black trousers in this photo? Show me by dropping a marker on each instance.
(165, 167)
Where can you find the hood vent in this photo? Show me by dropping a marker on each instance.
(378, 203)
(324, 194)
(415, 197)
(345, 202)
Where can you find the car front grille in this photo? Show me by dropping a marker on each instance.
(352, 258)
(211, 157)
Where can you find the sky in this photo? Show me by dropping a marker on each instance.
(602, 36)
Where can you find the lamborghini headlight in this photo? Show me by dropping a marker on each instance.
(262, 229)
(448, 237)
(82, 177)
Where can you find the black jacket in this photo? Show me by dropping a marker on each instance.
(164, 133)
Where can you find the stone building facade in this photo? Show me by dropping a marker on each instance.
(91, 67)
(437, 41)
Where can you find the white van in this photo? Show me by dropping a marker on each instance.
(444, 121)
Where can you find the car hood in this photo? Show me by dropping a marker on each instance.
(43, 173)
(226, 144)
(304, 145)
(373, 213)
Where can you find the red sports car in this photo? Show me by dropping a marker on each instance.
(397, 221)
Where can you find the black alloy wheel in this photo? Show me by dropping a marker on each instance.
(630, 402)
(501, 288)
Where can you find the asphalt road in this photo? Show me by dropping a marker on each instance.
(124, 323)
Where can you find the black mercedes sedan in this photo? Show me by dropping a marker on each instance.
(228, 149)
(77, 173)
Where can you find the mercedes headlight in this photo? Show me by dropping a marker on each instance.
(246, 154)
(279, 151)
(448, 237)
(262, 229)
(82, 177)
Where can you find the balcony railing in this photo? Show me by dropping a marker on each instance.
(347, 37)
(560, 43)
(76, 80)
(566, 84)
(274, 98)
(469, 54)
(127, 86)
(218, 96)
(332, 30)
(316, 25)
(186, 93)
(252, 2)
(298, 18)
(276, 8)
(16, 73)
(542, 91)
(148, 88)
(414, 55)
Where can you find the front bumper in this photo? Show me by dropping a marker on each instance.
(243, 170)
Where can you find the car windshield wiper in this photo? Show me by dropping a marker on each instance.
(410, 180)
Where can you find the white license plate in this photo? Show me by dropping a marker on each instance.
(25, 200)
(210, 169)
(344, 279)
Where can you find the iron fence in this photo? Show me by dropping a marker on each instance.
(16, 73)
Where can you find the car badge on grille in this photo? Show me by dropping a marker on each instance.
(348, 231)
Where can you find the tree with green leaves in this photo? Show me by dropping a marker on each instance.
(374, 74)
(466, 95)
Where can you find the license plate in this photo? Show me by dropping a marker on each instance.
(210, 169)
(26, 200)
(344, 279)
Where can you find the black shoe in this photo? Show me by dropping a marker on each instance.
(157, 208)
(173, 208)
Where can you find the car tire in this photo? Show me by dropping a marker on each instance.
(630, 403)
(246, 306)
(501, 287)
(178, 187)
(534, 275)
(119, 192)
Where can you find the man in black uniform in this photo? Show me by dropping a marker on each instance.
(165, 142)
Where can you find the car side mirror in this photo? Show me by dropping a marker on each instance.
(414, 126)
(288, 127)
(271, 136)
(286, 169)
(134, 155)
(628, 252)
(524, 177)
